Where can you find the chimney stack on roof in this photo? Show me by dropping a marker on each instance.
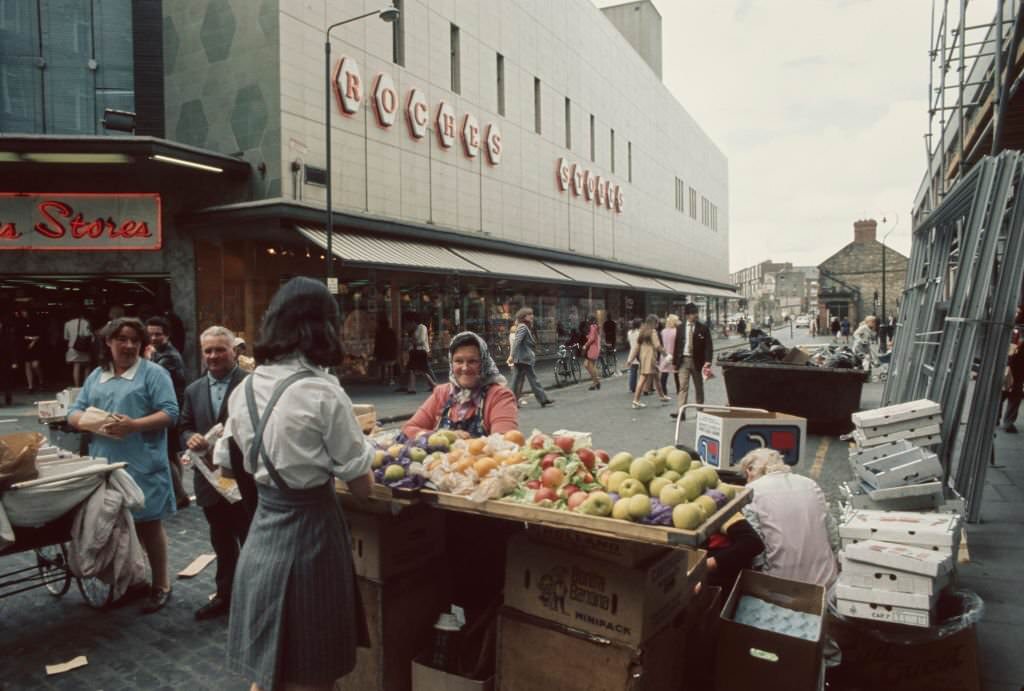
(865, 231)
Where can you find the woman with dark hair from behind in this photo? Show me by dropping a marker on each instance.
(295, 616)
(592, 351)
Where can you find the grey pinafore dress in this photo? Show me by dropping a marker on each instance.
(295, 610)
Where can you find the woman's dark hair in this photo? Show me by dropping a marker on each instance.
(164, 325)
(591, 319)
(302, 319)
(114, 327)
(636, 323)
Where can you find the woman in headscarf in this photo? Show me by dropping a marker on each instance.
(475, 401)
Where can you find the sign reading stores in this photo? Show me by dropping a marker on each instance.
(83, 222)
(573, 177)
(348, 92)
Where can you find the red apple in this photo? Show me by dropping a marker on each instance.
(569, 490)
(602, 454)
(533, 484)
(588, 478)
(537, 441)
(549, 460)
(586, 457)
(575, 499)
(552, 477)
(544, 493)
(565, 443)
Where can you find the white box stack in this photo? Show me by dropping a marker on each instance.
(895, 564)
(915, 421)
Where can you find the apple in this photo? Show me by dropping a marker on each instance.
(686, 516)
(588, 478)
(549, 460)
(620, 461)
(438, 440)
(631, 487)
(450, 435)
(533, 484)
(417, 454)
(552, 477)
(621, 510)
(565, 443)
(678, 460)
(707, 506)
(570, 490)
(639, 506)
(544, 493)
(698, 477)
(597, 504)
(378, 458)
(537, 441)
(576, 500)
(657, 484)
(710, 477)
(603, 477)
(672, 495)
(696, 465)
(586, 457)
(602, 454)
(395, 450)
(691, 487)
(671, 475)
(728, 490)
(615, 480)
(393, 473)
(642, 469)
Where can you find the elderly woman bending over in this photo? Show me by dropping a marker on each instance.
(475, 401)
(791, 515)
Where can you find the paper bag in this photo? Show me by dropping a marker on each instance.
(226, 487)
(94, 420)
(18, 457)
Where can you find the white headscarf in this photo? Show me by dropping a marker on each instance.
(489, 374)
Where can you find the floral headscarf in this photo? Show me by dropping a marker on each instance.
(465, 400)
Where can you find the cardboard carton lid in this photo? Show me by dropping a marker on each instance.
(926, 562)
(901, 526)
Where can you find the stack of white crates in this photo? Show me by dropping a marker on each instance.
(895, 564)
(893, 467)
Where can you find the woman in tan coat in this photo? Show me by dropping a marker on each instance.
(648, 349)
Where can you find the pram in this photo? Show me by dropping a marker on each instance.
(41, 512)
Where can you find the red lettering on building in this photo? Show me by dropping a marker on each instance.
(353, 85)
(449, 126)
(420, 113)
(496, 144)
(8, 231)
(53, 227)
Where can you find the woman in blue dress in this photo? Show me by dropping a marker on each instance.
(140, 395)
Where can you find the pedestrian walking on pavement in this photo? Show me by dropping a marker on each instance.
(524, 357)
(419, 356)
(385, 350)
(632, 362)
(296, 617)
(78, 336)
(647, 353)
(31, 348)
(666, 364)
(205, 404)
(692, 355)
(833, 326)
(844, 329)
(1013, 384)
(162, 352)
(592, 351)
(8, 361)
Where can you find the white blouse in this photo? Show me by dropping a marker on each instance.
(312, 433)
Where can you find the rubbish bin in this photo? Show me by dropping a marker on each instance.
(825, 396)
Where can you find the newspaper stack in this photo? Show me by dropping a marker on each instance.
(898, 583)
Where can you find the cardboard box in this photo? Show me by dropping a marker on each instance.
(898, 412)
(938, 531)
(615, 550)
(878, 596)
(726, 436)
(627, 604)
(386, 545)
(752, 658)
(875, 612)
(891, 428)
(901, 557)
(538, 655)
(400, 615)
(915, 436)
(862, 575)
(925, 497)
(872, 453)
(425, 678)
(895, 471)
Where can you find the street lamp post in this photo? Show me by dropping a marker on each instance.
(885, 317)
(387, 14)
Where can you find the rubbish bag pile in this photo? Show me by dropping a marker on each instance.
(769, 350)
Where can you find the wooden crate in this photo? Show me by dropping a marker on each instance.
(400, 615)
(366, 415)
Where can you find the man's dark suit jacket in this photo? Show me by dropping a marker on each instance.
(197, 417)
(702, 349)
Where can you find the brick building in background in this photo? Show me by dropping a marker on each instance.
(851, 279)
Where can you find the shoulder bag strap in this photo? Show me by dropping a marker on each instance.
(259, 424)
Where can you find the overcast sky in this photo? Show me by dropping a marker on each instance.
(819, 106)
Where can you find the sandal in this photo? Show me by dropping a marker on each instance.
(638, 404)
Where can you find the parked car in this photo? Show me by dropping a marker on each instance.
(803, 322)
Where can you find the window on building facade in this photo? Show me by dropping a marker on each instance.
(680, 195)
(693, 203)
(568, 123)
(592, 141)
(629, 161)
(612, 141)
(536, 105)
(398, 34)
(455, 51)
(500, 67)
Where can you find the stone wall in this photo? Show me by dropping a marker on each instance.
(859, 265)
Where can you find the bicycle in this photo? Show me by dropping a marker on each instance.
(607, 362)
(563, 367)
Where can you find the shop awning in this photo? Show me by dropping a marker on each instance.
(637, 281)
(587, 275)
(365, 249)
(685, 288)
(509, 265)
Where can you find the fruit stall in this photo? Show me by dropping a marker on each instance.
(469, 551)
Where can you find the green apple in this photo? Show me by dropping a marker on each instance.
(678, 460)
(615, 480)
(450, 435)
(438, 439)
(699, 477)
(643, 470)
(378, 458)
(395, 450)
(393, 473)
(631, 487)
(657, 484)
(696, 465)
(691, 487)
(639, 506)
(707, 506)
(659, 464)
(621, 510)
(710, 477)
(597, 504)
(671, 475)
(620, 461)
(416, 454)
(672, 495)
(686, 516)
(728, 490)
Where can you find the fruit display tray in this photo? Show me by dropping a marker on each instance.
(598, 525)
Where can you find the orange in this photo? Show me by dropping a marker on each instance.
(484, 466)
(463, 465)
(476, 446)
(514, 436)
(513, 458)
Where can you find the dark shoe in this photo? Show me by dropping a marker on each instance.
(134, 592)
(1010, 427)
(157, 599)
(216, 607)
(410, 390)
(546, 403)
(673, 415)
(592, 387)
(184, 503)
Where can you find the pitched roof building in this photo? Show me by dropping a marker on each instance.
(856, 279)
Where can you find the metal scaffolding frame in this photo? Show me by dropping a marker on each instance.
(963, 282)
